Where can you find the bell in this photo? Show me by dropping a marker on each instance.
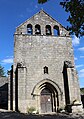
(37, 30)
(47, 31)
(29, 30)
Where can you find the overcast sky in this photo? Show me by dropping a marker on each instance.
(15, 12)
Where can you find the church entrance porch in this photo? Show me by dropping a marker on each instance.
(48, 96)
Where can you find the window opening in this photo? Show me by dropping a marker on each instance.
(29, 29)
(56, 31)
(48, 30)
(72, 71)
(37, 29)
(45, 70)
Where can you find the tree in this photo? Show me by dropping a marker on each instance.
(2, 73)
(76, 17)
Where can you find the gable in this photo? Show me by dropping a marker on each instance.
(43, 19)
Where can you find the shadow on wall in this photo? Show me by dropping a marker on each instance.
(4, 96)
(82, 99)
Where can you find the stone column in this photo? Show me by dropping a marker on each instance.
(8, 90)
(74, 102)
(70, 84)
(22, 106)
(43, 30)
(77, 87)
(33, 27)
(52, 30)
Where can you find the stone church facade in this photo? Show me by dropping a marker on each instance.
(43, 75)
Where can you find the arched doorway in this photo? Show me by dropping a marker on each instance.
(48, 98)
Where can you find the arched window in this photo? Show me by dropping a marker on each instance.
(48, 30)
(45, 70)
(37, 29)
(29, 29)
(56, 31)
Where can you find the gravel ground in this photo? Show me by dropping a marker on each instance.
(15, 115)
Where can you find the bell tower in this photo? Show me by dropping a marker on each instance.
(44, 74)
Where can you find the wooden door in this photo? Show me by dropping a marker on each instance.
(46, 101)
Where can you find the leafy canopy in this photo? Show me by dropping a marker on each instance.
(76, 17)
(82, 90)
(42, 1)
(2, 73)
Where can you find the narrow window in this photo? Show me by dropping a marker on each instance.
(37, 29)
(45, 70)
(56, 31)
(48, 30)
(29, 29)
(72, 72)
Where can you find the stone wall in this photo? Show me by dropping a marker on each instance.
(4, 92)
(34, 52)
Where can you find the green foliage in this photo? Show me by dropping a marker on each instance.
(82, 90)
(2, 73)
(31, 110)
(42, 1)
(76, 17)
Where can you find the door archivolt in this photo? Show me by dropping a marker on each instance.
(48, 95)
(41, 85)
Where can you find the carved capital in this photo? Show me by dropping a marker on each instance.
(68, 64)
(20, 64)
